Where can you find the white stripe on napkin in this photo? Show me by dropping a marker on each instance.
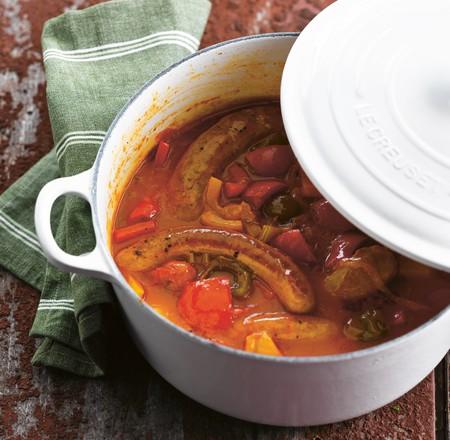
(20, 232)
(56, 307)
(78, 137)
(115, 50)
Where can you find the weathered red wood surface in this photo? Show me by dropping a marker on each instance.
(133, 402)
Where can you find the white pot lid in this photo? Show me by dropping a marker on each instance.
(365, 98)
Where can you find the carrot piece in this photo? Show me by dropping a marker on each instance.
(207, 304)
(144, 210)
(133, 231)
(174, 275)
(162, 153)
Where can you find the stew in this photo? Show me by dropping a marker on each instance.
(222, 232)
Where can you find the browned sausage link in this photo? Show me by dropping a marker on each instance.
(212, 150)
(286, 327)
(284, 277)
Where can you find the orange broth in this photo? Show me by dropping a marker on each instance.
(420, 295)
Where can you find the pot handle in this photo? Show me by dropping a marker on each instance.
(93, 263)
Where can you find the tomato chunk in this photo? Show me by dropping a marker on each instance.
(144, 210)
(326, 216)
(162, 153)
(294, 244)
(343, 246)
(234, 189)
(236, 173)
(133, 231)
(259, 192)
(207, 304)
(238, 181)
(271, 160)
(308, 190)
(174, 275)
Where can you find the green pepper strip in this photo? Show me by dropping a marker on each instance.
(241, 276)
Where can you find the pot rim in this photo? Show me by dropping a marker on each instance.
(119, 278)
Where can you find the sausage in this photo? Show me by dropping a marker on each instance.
(284, 277)
(214, 148)
(286, 327)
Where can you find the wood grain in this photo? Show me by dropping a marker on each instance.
(133, 402)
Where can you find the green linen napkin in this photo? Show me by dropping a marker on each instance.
(95, 60)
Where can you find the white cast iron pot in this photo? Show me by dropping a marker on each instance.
(285, 391)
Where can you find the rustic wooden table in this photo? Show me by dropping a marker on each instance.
(134, 402)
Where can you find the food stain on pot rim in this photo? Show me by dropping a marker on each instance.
(140, 140)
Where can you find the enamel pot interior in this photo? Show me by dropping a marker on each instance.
(279, 391)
